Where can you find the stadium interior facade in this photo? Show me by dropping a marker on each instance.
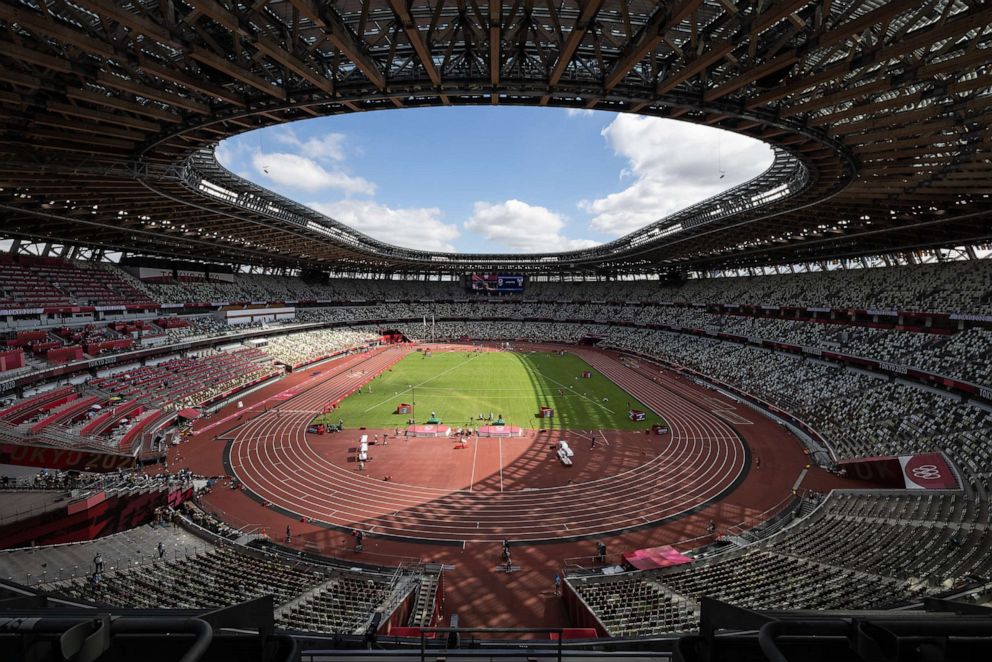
(805, 448)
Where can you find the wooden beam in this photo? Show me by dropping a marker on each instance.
(293, 63)
(342, 37)
(100, 116)
(714, 54)
(416, 39)
(142, 90)
(221, 15)
(37, 23)
(108, 101)
(574, 39)
(193, 83)
(34, 57)
(751, 75)
(663, 19)
(495, 42)
(224, 66)
(134, 22)
(775, 12)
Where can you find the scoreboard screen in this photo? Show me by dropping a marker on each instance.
(497, 282)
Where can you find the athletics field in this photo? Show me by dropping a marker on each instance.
(459, 386)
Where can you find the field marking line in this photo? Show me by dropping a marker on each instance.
(586, 397)
(605, 440)
(426, 381)
(475, 454)
(501, 464)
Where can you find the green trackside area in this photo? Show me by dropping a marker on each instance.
(459, 386)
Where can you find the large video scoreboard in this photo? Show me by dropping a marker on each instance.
(496, 282)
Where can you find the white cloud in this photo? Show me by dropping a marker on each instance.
(419, 228)
(231, 152)
(673, 165)
(517, 225)
(579, 112)
(304, 174)
(328, 147)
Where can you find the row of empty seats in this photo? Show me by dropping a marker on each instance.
(164, 566)
(950, 287)
(35, 282)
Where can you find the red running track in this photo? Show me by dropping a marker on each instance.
(701, 462)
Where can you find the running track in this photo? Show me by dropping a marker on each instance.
(271, 456)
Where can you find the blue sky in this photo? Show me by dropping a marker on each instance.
(490, 179)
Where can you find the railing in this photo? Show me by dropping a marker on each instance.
(55, 436)
(365, 556)
(506, 649)
(762, 519)
(15, 515)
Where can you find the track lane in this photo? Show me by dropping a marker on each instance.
(272, 456)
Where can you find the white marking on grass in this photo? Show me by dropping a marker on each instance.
(426, 381)
(598, 404)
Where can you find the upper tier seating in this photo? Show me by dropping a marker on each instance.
(28, 282)
(951, 287)
(189, 381)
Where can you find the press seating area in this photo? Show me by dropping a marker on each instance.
(68, 413)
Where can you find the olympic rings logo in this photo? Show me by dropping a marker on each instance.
(926, 472)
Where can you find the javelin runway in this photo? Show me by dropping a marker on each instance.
(702, 461)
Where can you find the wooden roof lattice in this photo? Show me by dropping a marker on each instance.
(878, 112)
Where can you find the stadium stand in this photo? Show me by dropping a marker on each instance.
(162, 566)
(846, 292)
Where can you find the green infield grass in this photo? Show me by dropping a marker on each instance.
(459, 386)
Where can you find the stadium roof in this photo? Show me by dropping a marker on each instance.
(878, 110)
